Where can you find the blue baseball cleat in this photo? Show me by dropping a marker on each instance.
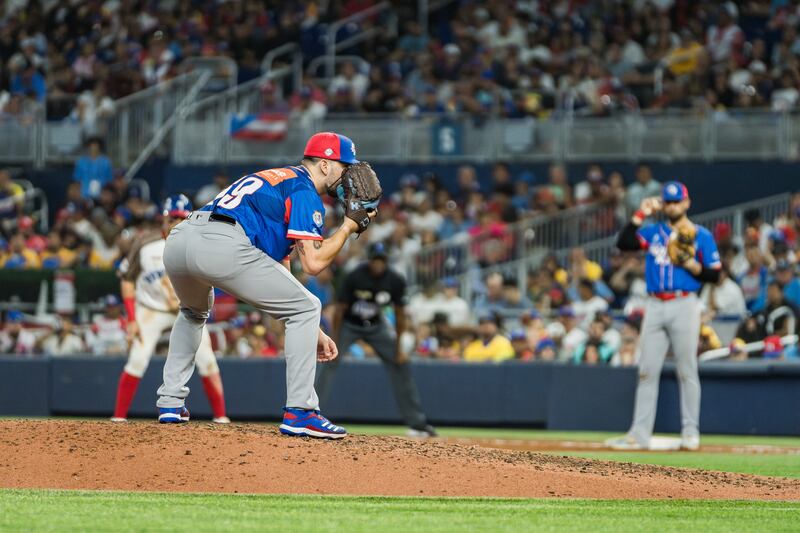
(173, 415)
(299, 422)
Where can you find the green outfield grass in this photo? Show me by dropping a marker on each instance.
(543, 434)
(765, 465)
(42, 510)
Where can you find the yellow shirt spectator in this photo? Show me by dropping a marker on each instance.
(18, 255)
(62, 258)
(591, 271)
(498, 349)
(685, 58)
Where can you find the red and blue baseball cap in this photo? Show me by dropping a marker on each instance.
(329, 145)
(674, 191)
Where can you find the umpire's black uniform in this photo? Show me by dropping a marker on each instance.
(362, 295)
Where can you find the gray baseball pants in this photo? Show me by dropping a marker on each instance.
(676, 323)
(384, 342)
(201, 254)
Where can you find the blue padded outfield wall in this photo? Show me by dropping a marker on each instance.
(738, 398)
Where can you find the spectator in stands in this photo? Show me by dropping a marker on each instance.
(423, 305)
(28, 82)
(14, 338)
(559, 186)
(779, 317)
(425, 218)
(588, 304)
(580, 267)
(210, 191)
(18, 255)
(709, 340)
(490, 344)
(514, 301)
(354, 83)
(725, 298)
(594, 350)
(754, 281)
(644, 187)
(308, 111)
(757, 229)
(785, 275)
(33, 240)
(93, 109)
(62, 340)
(725, 39)
(108, 334)
(12, 198)
(453, 306)
(629, 341)
(522, 348)
(593, 189)
(491, 301)
(573, 335)
(56, 255)
(93, 170)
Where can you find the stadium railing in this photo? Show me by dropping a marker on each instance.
(713, 136)
(598, 250)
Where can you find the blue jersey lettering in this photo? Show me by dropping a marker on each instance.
(274, 207)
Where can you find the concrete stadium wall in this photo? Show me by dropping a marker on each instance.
(743, 398)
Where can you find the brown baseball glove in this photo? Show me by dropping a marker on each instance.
(681, 247)
(362, 193)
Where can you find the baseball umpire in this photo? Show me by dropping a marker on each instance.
(681, 256)
(240, 242)
(361, 298)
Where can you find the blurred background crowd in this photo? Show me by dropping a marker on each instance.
(573, 310)
(513, 58)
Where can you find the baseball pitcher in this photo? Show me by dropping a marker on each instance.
(240, 242)
(151, 306)
(681, 256)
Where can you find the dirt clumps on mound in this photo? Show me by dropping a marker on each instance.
(250, 458)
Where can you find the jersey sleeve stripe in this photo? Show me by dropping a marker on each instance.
(288, 210)
(297, 234)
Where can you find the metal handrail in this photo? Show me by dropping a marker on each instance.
(312, 67)
(165, 128)
(211, 64)
(296, 64)
(332, 46)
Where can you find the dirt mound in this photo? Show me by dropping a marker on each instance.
(553, 445)
(200, 457)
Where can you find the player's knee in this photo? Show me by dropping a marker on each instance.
(136, 367)
(198, 317)
(314, 306)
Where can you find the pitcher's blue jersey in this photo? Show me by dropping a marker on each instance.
(660, 274)
(274, 207)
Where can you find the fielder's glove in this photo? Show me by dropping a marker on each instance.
(360, 192)
(681, 246)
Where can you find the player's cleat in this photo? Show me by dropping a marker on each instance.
(118, 419)
(626, 442)
(690, 443)
(173, 415)
(423, 432)
(299, 422)
(221, 420)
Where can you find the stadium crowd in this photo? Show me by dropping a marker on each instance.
(573, 310)
(512, 58)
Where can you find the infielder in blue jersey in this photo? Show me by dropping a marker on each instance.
(672, 313)
(240, 242)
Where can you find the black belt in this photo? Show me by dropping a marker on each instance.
(216, 217)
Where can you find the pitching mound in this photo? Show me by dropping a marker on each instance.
(200, 457)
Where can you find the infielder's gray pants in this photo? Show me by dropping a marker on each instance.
(202, 254)
(385, 345)
(677, 323)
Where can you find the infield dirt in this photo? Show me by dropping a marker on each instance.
(251, 458)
